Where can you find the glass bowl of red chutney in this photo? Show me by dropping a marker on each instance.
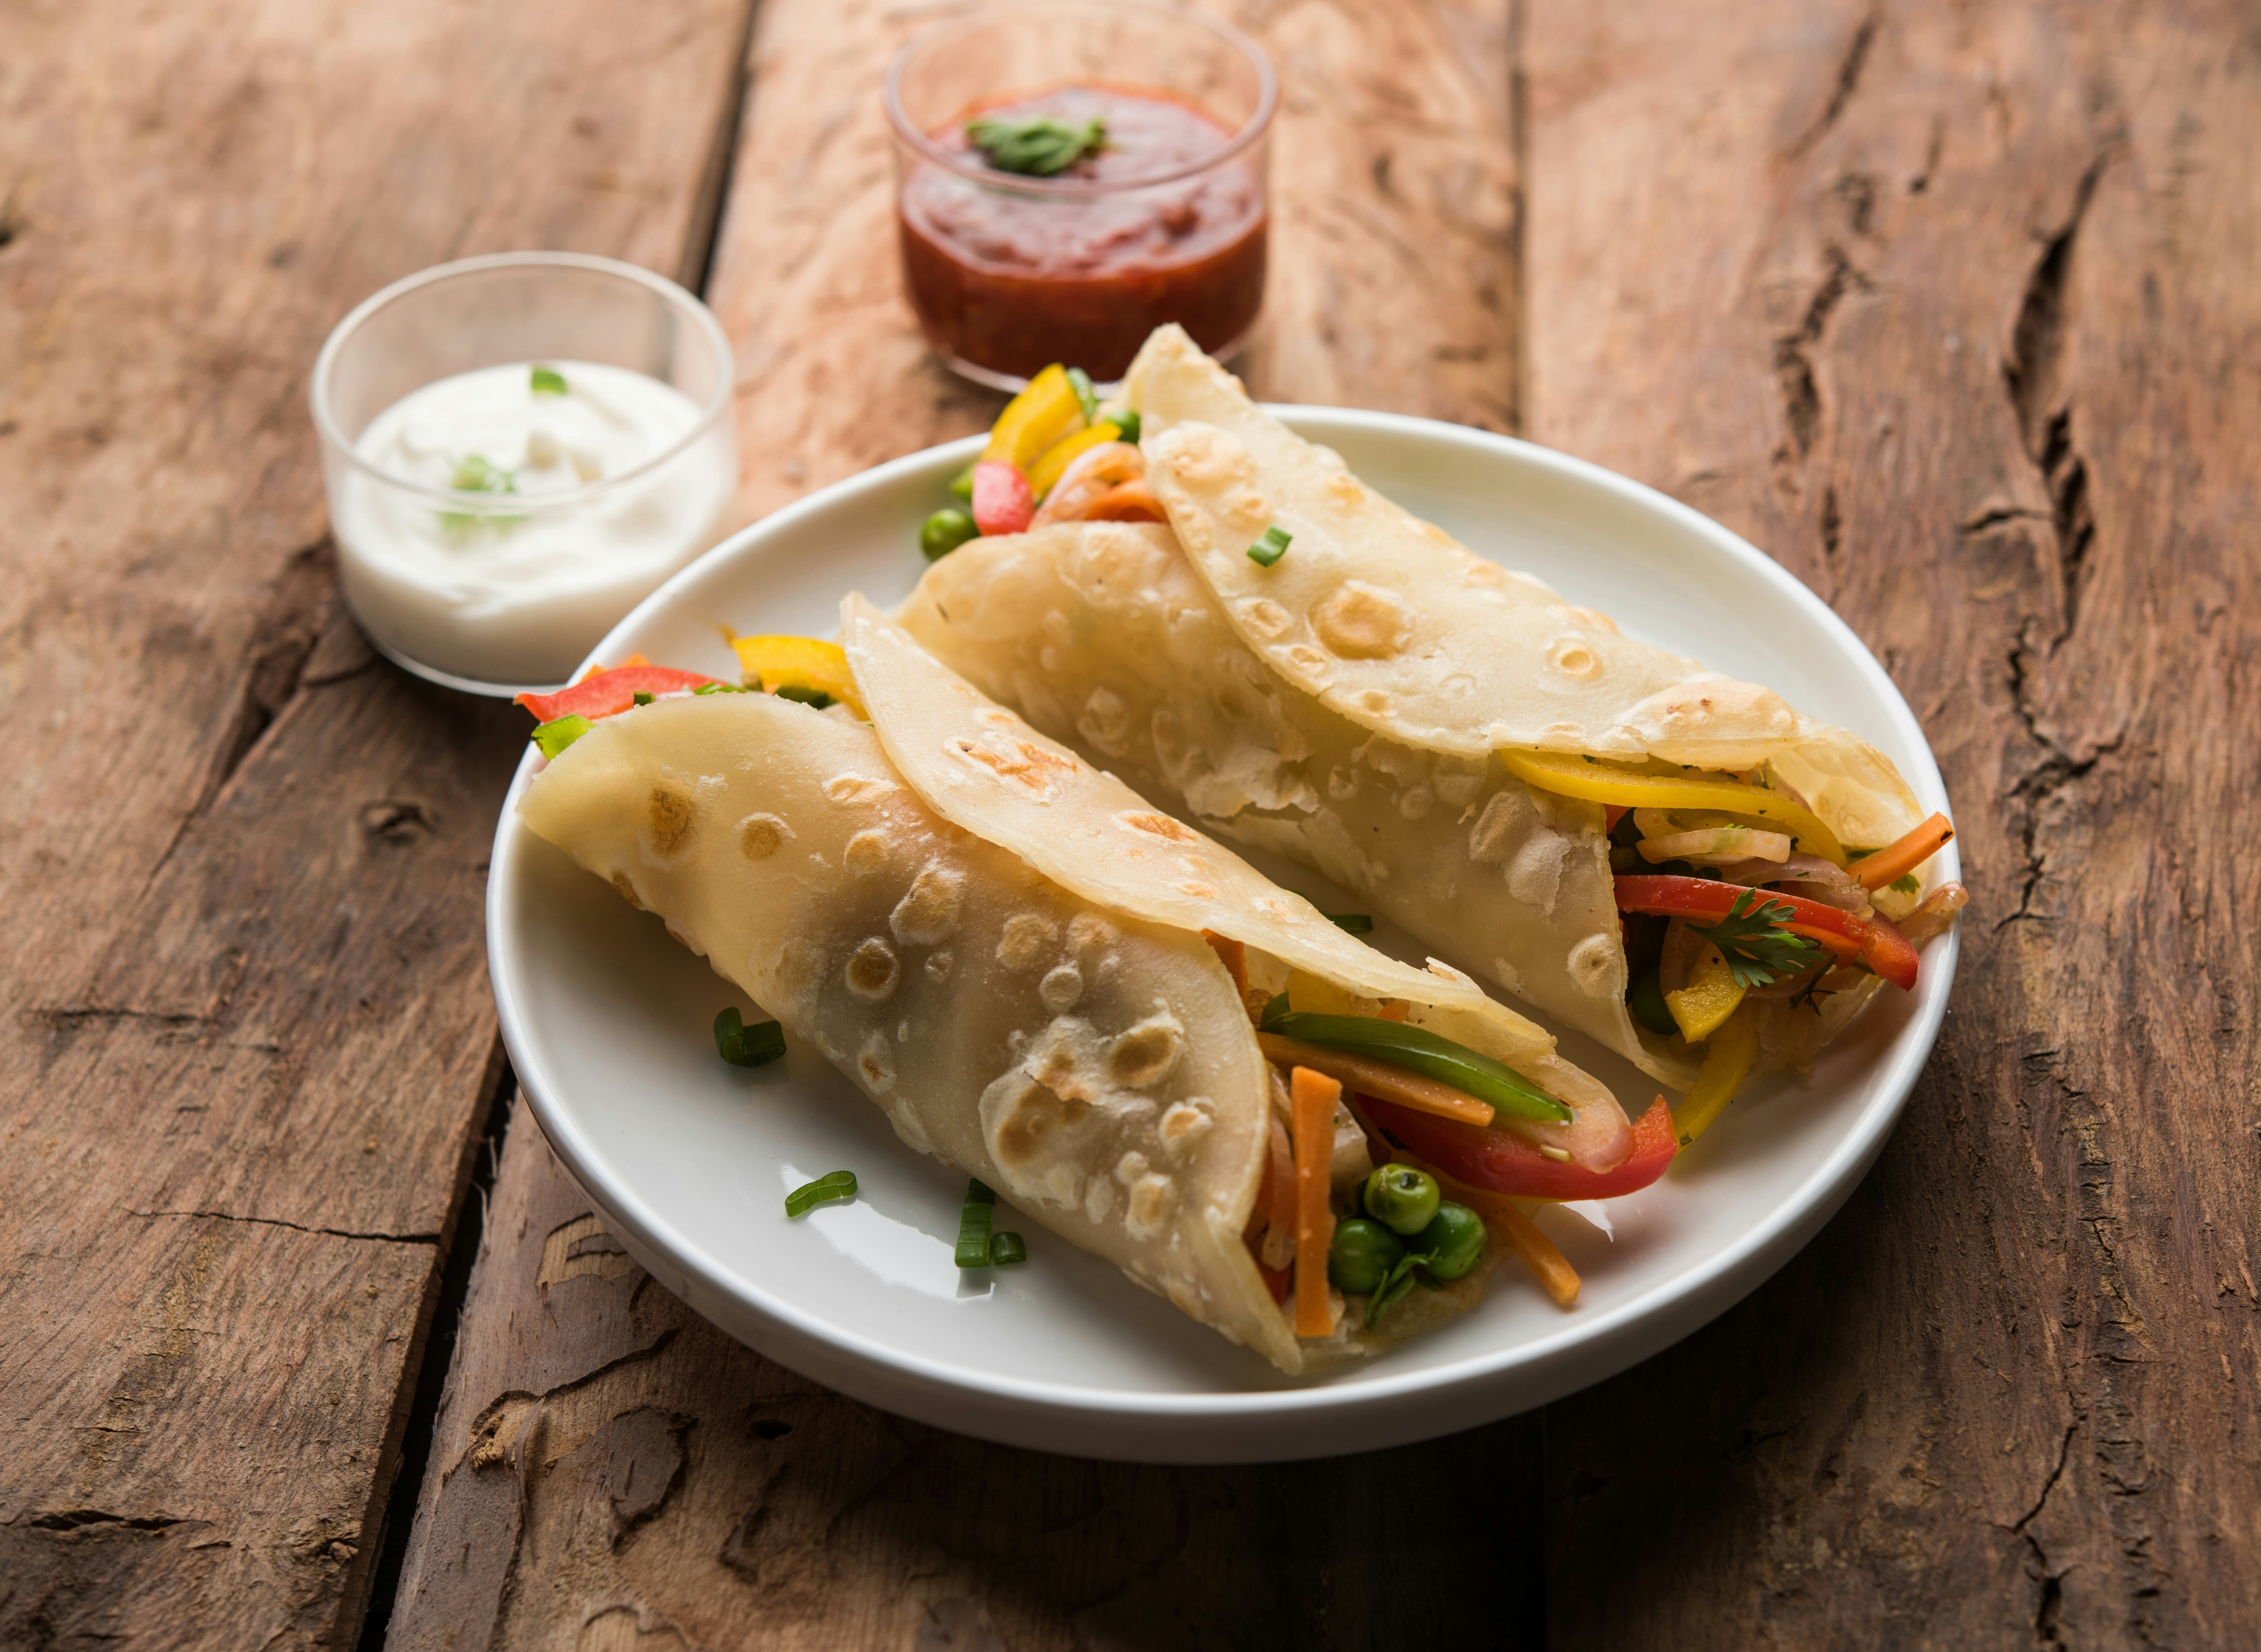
(1072, 174)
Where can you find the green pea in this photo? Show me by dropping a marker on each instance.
(1361, 1256)
(1454, 1240)
(1648, 1008)
(1128, 422)
(944, 532)
(1401, 1197)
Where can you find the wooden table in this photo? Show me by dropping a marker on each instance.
(1952, 307)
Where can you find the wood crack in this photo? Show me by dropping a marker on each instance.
(1793, 365)
(1846, 82)
(296, 1227)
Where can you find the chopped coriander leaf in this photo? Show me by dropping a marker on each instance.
(1354, 923)
(1759, 950)
(1007, 1249)
(555, 736)
(973, 1225)
(1128, 422)
(744, 1045)
(806, 1197)
(475, 473)
(643, 699)
(1087, 398)
(1270, 548)
(548, 381)
(816, 698)
(1036, 146)
(1906, 885)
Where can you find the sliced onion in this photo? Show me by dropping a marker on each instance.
(1717, 846)
(1683, 946)
(1937, 913)
(1824, 881)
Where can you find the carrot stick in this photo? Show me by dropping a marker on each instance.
(1537, 1252)
(1371, 1077)
(1314, 1096)
(1234, 956)
(1395, 1009)
(1897, 859)
(1125, 502)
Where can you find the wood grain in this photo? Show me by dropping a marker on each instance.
(248, 1041)
(609, 1471)
(1937, 303)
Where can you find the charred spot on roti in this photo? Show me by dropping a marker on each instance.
(626, 890)
(938, 966)
(1359, 621)
(1151, 1196)
(1023, 761)
(1505, 818)
(1415, 802)
(873, 971)
(1247, 510)
(1198, 891)
(1061, 986)
(1098, 1201)
(1344, 488)
(1307, 660)
(1266, 618)
(762, 835)
(1025, 1120)
(1713, 709)
(1375, 703)
(1482, 573)
(1574, 658)
(1184, 1122)
(853, 787)
(668, 817)
(866, 852)
(1028, 938)
(1202, 456)
(1595, 965)
(1089, 929)
(875, 1063)
(928, 913)
(1151, 824)
(1142, 1055)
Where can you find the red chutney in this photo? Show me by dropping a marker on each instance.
(1012, 282)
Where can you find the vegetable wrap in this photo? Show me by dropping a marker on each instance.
(1298, 664)
(1004, 949)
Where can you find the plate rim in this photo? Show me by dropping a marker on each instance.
(1047, 1413)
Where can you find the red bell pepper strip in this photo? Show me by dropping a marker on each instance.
(1876, 942)
(1509, 1164)
(603, 693)
(1003, 501)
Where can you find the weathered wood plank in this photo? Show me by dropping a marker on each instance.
(1940, 305)
(249, 1042)
(607, 1465)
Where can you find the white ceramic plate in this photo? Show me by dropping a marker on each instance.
(607, 1022)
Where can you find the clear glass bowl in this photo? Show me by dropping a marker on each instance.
(492, 589)
(1008, 273)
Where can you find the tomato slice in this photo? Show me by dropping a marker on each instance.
(1878, 941)
(603, 693)
(1507, 1163)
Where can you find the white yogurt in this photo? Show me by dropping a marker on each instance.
(568, 531)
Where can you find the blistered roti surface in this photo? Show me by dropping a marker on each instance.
(1095, 1066)
(1101, 635)
(1393, 625)
(982, 767)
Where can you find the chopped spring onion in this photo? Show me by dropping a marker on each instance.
(1080, 382)
(1421, 1051)
(973, 1225)
(720, 688)
(1354, 923)
(1005, 1248)
(548, 381)
(554, 737)
(642, 699)
(1271, 548)
(744, 1045)
(816, 698)
(806, 1197)
(1128, 422)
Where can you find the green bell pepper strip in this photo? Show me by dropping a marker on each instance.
(1419, 1050)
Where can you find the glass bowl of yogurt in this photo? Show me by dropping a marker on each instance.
(518, 449)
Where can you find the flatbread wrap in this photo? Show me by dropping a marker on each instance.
(1038, 978)
(1296, 663)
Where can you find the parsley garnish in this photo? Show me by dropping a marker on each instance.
(1751, 938)
(1036, 146)
(1906, 885)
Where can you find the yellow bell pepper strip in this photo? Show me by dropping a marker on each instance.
(798, 663)
(1046, 472)
(1727, 1060)
(1003, 503)
(1874, 941)
(1709, 998)
(1895, 860)
(1569, 776)
(1035, 420)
